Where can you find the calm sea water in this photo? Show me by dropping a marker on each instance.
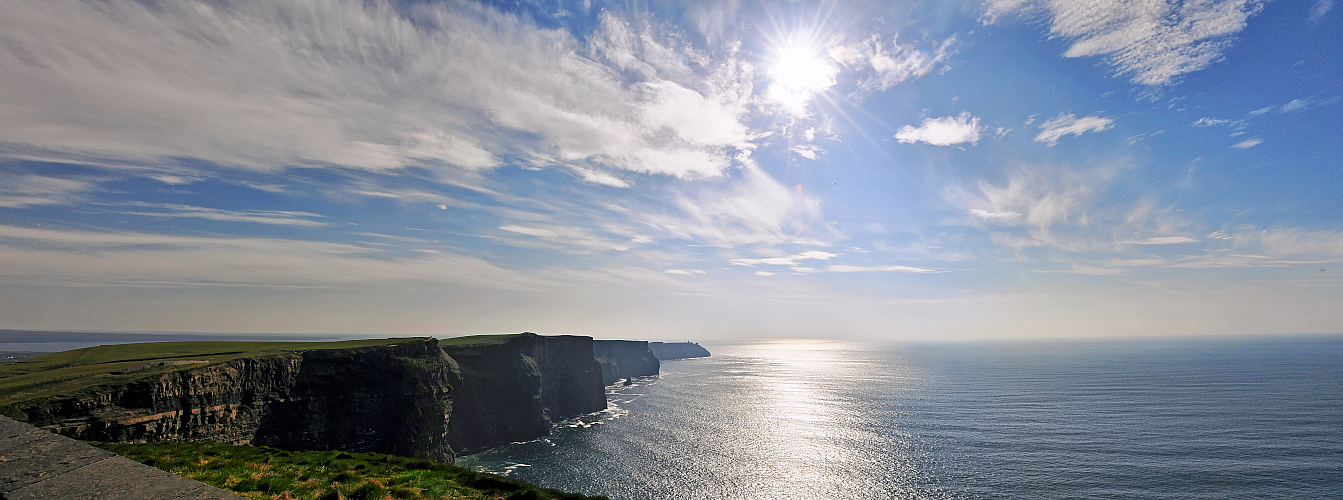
(1224, 418)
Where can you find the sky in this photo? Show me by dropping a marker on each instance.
(699, 170)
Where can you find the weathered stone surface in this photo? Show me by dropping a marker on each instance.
(622, 359)
(44, 458)
(57, 467)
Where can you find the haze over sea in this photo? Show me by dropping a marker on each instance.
(1191, 418)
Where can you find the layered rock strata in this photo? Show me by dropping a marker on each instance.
(513, 388)
(409, 397)
(393, 399)
(622, 359)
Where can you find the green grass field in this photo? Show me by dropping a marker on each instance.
(269, 473)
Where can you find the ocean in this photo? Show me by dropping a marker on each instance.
(1146, 419)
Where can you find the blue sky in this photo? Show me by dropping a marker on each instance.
(696, 170)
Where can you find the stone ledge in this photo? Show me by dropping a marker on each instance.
(36, 464)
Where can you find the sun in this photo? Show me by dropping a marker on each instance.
(799, 70)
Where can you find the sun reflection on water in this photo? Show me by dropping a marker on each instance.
(809, 424)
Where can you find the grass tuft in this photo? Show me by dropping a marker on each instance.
(259, 472)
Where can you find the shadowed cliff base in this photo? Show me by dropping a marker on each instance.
(622, 359)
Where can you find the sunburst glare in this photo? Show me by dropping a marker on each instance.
(799, 70)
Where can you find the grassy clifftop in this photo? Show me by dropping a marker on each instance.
(269, 473)
(72, 371)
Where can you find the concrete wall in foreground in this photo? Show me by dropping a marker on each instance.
(36, 464)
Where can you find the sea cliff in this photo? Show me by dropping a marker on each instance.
(677, 350)
(622, 359)
(513, 388)
(421, 398)
(392, 398)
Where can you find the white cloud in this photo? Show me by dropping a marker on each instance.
(945, 131)
(1260, 111)
(26, 190)
(1065, 124)
(86, 258)
(566, 238)
(1320, 8)
(988, 215)
(1212, 122)
(273, 217)
(1151, 41)
(1053, 206)
(807, 152)
(889, 65)
(529, 231)
(752, 208)
(764, 273)
(1248, 143)
(840, 268)
(1292, 241)
(362, 84)
(686, 272)
(1164, 240)
(791, 260)
(1305, 103)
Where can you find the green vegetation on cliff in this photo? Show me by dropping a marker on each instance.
(70, 371)
(270, 473)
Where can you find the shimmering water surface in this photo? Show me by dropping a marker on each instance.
(1211, 418)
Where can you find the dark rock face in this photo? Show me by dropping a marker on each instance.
(624, 359)
(677, 350)
(512, 389)
(388, 399)
(416, 398)
(397, 405)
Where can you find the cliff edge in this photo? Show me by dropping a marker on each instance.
(421, 397)
(389, 396)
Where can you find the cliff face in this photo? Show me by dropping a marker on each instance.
(513, 388)
(409, 397)
(624, 359)
(388, 399)
(677, 350)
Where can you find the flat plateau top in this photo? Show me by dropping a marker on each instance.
(72, 371)
(68, 371)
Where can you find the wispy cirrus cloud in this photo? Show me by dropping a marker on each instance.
(889, 63)
(1152, 43)
(790, 260)
(364, 85)
(1067, 124)
(94, 258)
(1320, 8)
(841, 268)
(945, 131)
(27, 190)
(272, 217)
(1248, 143)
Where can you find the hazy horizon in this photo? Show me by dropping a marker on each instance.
(694, 170)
